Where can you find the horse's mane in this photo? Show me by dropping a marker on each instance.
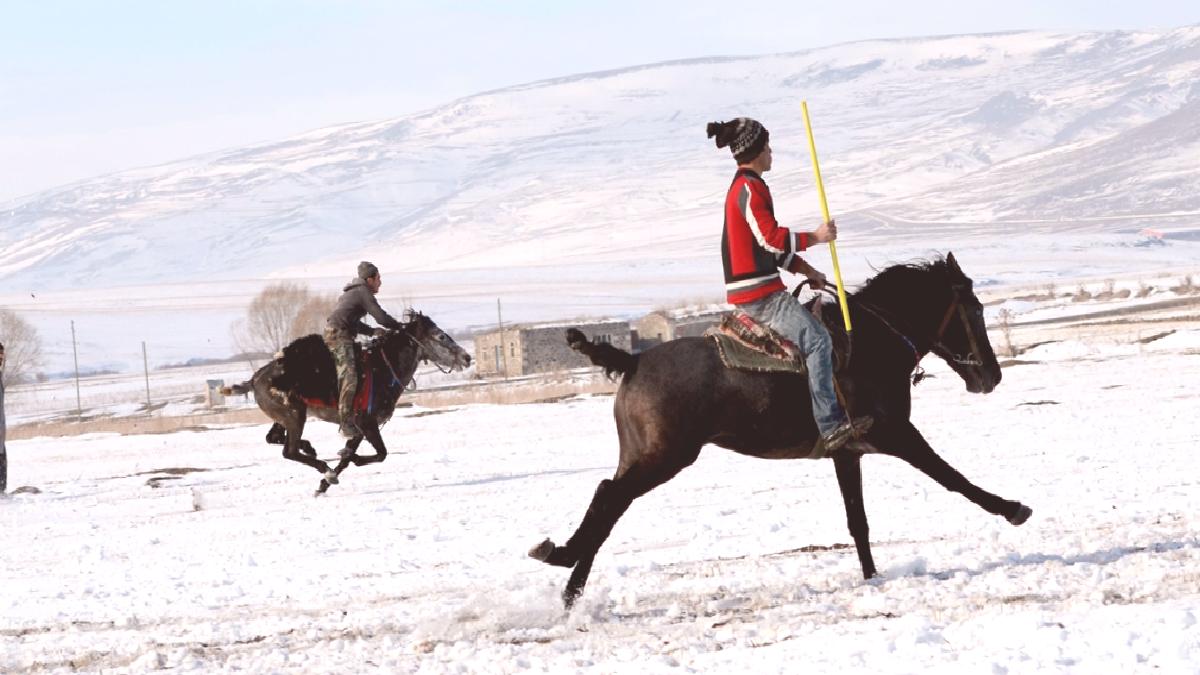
(901, 278)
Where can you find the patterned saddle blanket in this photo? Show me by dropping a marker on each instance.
(746, 344)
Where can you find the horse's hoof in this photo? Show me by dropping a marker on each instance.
(542, 551)
(331, 477)
(1021, 515)
(569, 596)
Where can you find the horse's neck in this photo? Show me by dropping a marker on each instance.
(910, 312)
(401, 367)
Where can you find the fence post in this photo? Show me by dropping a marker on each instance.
(75, 354)
(146, 371)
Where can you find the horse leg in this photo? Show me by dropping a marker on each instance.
(370, 431)
(849, 475)
(345, 456)
(905, 442)
(294, 427)
(277, 435)
(611, 499)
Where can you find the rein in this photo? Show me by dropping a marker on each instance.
(421, 355)
(971, 359)
(391, 368)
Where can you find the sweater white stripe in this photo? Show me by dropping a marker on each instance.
(750, 283)
(752, 221)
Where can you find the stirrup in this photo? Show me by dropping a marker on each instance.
(348, 428)
(845, 432)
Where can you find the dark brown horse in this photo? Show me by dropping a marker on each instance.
(677, 397)
(303, 381)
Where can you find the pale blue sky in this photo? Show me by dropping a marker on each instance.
(89, 87)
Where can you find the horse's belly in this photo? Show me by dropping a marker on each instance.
(767, 450)
(324, 413)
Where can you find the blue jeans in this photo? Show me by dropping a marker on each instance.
(786, 316)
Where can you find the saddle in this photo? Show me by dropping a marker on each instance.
(309, 373)
(365, 396)
(745, 344)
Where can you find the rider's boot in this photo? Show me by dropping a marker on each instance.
(348, 426)
(849, 430)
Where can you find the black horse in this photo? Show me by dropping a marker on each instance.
(302, 381)
(678, 396)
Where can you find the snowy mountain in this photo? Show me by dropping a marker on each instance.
(599, 167)
(602, 190)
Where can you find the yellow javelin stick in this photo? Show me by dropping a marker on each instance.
(837, 271)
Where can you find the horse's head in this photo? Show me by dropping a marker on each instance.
(433, 343)
(961, 339)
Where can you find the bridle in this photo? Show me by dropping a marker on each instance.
(973, 357)
(422, 354)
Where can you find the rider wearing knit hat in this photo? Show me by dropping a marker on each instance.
(754, 247)
(357, 300)
(745, 137)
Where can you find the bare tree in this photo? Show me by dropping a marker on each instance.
(22, 348)
(270, 317)
(310, 317)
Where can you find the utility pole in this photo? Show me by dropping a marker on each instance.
(146, 370)
(503, 354)
(75, 353)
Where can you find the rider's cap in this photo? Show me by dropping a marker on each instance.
(367, 270)
(744, 136)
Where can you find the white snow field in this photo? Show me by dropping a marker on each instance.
(738, 565)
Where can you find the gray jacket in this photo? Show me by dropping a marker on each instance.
(356, 302)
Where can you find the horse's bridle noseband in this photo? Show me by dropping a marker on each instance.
(974, 356)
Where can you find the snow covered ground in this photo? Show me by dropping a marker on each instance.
(737, 565)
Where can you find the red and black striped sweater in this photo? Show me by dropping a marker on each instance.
(754, 247)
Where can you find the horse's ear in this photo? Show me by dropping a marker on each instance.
(952, 264)
(409, 314)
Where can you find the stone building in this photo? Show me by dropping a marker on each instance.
(660, 326)
(522, 349)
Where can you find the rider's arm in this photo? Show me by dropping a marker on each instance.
(772, 236)
(381, 317)
(800, 266)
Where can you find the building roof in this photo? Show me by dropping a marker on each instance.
(580, 323)
(696, 312)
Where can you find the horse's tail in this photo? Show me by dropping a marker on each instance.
(241, 388)
(602, 354)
